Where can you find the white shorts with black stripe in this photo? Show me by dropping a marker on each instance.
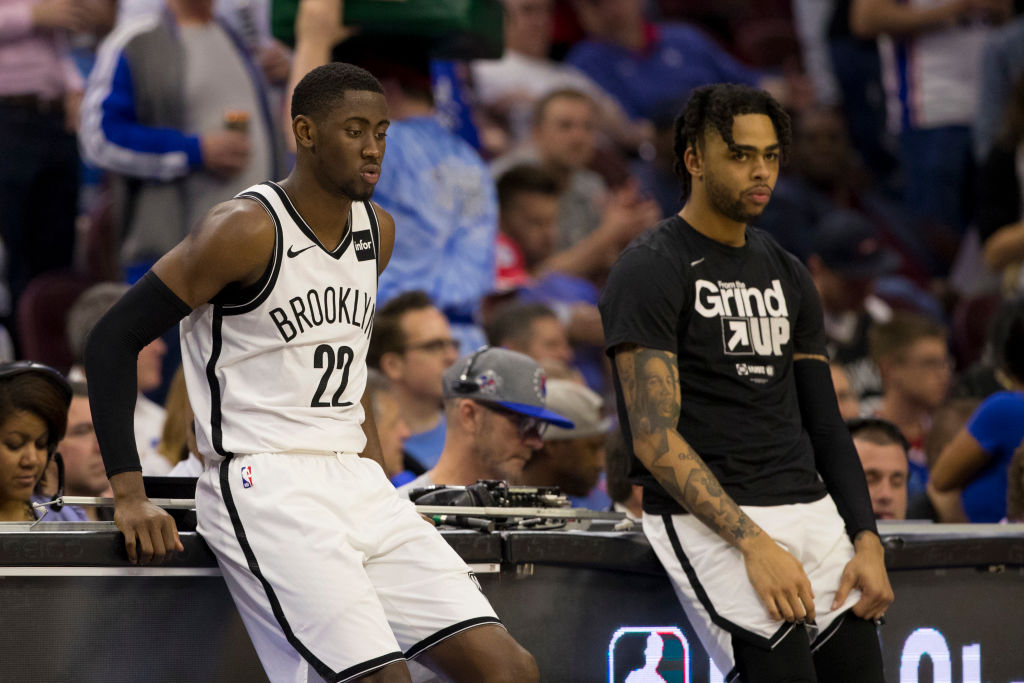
(710, 577)
(333, 574)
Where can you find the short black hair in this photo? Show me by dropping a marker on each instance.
(877, 431)
(512, 322)
(715, 107)
(387, 335)
(325, 85)
(526, 178)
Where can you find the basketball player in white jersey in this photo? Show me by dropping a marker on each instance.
(335, 577)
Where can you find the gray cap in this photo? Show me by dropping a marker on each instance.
(506, 378)
(581, 405)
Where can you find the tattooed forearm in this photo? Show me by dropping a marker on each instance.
(650, 386)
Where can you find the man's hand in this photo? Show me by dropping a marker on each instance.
(866, 571)
(225, 153)
(70, 15)
(779, 580)
(150, 535)
(276, 62)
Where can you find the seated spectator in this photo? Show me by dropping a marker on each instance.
(33, 414)
(912, 354)
(947, 422)
(533, 329)
(849, 405)
(412, 346)
(978, 457)
(496, 415)
(509, 87)
(149, 415)
(597, 222)
(391, 428)
(846, 259)
(572, 459)
(626, 496)
(641, 64)
(84, 471)
(883, 455)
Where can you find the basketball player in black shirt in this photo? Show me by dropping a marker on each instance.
(754, 498)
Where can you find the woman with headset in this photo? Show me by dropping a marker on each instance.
(34, 401)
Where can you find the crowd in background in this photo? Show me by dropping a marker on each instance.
(516, 181)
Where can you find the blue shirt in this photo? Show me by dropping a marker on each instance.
(445, 206)
(426, 446)
(678, 58)
(998, 427)
(68, 513)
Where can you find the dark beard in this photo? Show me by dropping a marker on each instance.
(723, 203)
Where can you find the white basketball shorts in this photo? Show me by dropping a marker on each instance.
(333, 574)
(710, 577)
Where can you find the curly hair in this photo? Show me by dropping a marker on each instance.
(325, 85)
(715, 107)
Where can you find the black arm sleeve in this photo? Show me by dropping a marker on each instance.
(834, 455)
(146, 311)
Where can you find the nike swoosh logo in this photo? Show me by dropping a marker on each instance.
(292, 253)
(692, 263)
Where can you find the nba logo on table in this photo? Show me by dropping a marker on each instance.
(247, 477)
(646, 654)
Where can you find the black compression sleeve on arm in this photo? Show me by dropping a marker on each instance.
(146, 311)
(834, 455)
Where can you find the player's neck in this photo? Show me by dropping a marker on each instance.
(324, 212)
(699, 213)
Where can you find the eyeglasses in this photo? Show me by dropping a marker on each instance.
(526, 426)
(435, 346)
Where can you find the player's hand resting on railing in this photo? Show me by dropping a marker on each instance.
(150, 535)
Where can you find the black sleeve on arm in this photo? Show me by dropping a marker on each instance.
(146, 311)
(834, 455)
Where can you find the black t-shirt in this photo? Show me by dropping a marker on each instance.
(734, 316)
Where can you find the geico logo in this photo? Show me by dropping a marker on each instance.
(737, 299)
(363, 245)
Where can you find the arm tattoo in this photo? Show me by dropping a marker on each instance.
(650, 388)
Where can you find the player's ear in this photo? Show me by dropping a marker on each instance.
(694, 161)
(304, 130)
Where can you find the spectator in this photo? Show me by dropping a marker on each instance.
(849, 405)
(509, 87)
(846, 259)
(947, 422)
(1002, 64)
(978, 457)
(533, 329)
(412, 346)
(90, 306)
(40, 92)
(626, 496)
(176, 108)
(641, 63)
(33, 414)
(883, 454)
(572, 459)
(598, 223)
(912, 354)
(496, 414)
(85, 474)
(391, 429)
(932, 105)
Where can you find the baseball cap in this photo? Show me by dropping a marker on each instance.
(849, 244)
(581, 405)
(505, 378)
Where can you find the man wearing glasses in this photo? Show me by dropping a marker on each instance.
(412, 345)
(494, 406)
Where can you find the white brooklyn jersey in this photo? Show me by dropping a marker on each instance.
(281, 365)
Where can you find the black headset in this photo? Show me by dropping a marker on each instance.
(465, 384)
(27, 367)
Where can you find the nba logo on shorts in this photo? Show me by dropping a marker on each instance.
(648, 654)
(247, 477)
